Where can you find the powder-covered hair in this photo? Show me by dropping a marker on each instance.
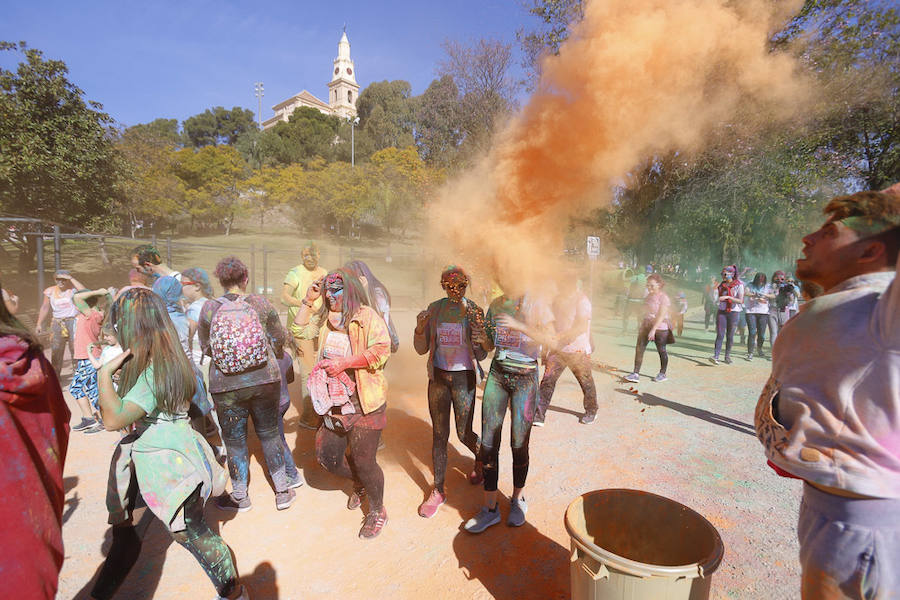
(198, 275)
(658, 279)
(354, 296)
(147, 254)
(878, 210)
(361, 269)
(140, 319)
(231, 271)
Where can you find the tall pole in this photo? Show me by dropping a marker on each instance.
(352, 145)
(259, 92)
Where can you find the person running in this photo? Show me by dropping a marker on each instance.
(829, 413)
(451, 331)
(58, 302)
(91, 307)
(654, 328)
(515, 327)
(354, 346)
(296, 282)
(34, 438)
(244, 336)
(572, 350)
(731, 299)
(756, 300)
(379, 298)
(165, 461)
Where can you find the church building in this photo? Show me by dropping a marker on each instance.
(342, 91)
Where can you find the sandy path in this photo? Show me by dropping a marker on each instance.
(689, 439)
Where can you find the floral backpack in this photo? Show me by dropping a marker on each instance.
(236, 337)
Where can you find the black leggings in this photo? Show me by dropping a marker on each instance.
(660, 340)
(352, 456)
(456, 388)
(207, 547)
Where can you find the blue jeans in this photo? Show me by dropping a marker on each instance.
(519, 391)
(259, 403)
(726, 322)
(756, 328)
(849, 548)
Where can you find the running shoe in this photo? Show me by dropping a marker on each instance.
(588, 417)
(477, 474)
(484, 519)
(430, 507)
(714, 360)
(632, 377)
(750, 356)
(537, 422)
(84, 424)
(660, 377)
(373, 524)
(296, 482)
(727, 360)
(355, 499)
(96, 428)
(517, 509)
(283, 500)
(228, 503)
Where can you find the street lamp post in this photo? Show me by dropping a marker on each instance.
(353, 123)
(259, 91)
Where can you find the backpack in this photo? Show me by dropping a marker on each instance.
(237, 340)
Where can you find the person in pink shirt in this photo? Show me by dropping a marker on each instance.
(654, 327)
(91, 306)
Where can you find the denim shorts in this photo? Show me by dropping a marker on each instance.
(849, 545)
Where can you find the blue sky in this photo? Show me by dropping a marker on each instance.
(175, 59)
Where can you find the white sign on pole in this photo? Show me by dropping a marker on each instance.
(593, 246)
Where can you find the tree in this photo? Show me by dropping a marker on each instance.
(162, 131)
(218, 126)
(854, 48)
(482, 73)
(307, 134)
(439, 122)
(399, 181)
(555, 20)
(151, 192)
(211, 178)
(385, 113)
(57, 158)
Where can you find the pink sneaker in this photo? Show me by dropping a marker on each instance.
(430, 507)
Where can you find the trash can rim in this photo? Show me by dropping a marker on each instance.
(691, 570)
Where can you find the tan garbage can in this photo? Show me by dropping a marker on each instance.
(634, 545)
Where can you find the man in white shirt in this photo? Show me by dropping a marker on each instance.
(830, 412)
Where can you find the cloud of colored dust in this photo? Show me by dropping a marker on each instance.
(636, 78)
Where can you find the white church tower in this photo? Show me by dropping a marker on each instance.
(343, 89)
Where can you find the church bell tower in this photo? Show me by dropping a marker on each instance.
(343, 89)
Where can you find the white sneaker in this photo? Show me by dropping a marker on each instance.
(632, 377)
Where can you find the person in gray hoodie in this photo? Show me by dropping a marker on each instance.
(830, 411)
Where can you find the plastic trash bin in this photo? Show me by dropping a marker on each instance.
(634, 545)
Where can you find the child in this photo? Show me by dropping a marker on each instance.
(109, 348)
(91, 306)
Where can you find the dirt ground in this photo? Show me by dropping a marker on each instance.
(689, 439)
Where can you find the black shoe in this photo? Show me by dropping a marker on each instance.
(727, 360)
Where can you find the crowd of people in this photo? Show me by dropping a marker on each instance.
(166, 363)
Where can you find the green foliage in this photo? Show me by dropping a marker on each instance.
(57, 158)
(211, 177)
(439, 122)
(307, 134)
(161, 131)
(218, 126)
(385, 113)
(555, 18)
